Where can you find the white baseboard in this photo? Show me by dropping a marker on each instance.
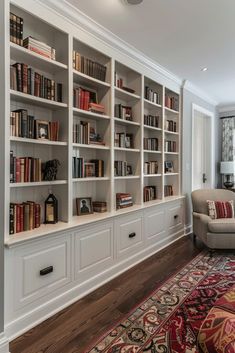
(188, 229)
(4, 344)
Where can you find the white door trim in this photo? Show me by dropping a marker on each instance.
(211, 115)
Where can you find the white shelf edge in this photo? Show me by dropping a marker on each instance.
(77, 111)
(122, 91)
(152, 103)
(168, 174)
(76, 180)
(38, 183)
(123, 121)
(176, 153)
(152, 175)
(152, 128)
(100, 147)
(30, 53)
(150, 151)
(171, 132)
(171, 110)
(39, 142)
(32, 98)
(126, 177)
(90, 78)
(126, 149)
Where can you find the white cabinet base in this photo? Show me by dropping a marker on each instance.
(4, 344)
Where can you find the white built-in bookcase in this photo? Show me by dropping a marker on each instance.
(67, 189)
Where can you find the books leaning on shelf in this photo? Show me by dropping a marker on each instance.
(123, 112)
(150, 193)
(87, 100)
(168, 190)
(24, 125)
(151, 120)
(170, 125)
(99, 206)
(89, 67)
(170, 146)
(151, 144)
(25, 169)
(118, 81)
(16, 29)
(172, 102)
(84, 133)
(25, 79)
(24, 216)
(151, 167)
(87, 169)
(39, 47)
(152, 96)
(123, 200)
(123, 140)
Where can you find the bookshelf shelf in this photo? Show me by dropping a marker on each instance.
(75, 180)
(81, 78)
(171, 132)
(151, 104)
(29, 99)
(125, 95)
(98, 147)
(38, 142)
(35, 60)
(171, 110)
(41, 183)
(174, 153)
(126, 149)
(152, 128)
(127, 177)
(169, 174)
(126, 122)
(88, 114)
(149, 151)
(152, 175)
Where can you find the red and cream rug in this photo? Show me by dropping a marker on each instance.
(168, 321)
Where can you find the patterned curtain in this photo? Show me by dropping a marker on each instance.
(228, 139)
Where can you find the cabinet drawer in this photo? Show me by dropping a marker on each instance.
(93, 250)
(129, 234)
(175, 218)
(154, 225)
(41, 268)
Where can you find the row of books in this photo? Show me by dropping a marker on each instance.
(172, 102)
(123, 139)
(25, 169)
(151, 120)
(16, 29)
(151, 167)
(171, 125)
(24, 125)
(89, 67)
(84, 133)
(99, 206)
(150, 193)
(25, 79)
(151, 95)
(123, 200)
(39, 47)
(123, 112)
(86, 100)
(87, 169)
(151, 143)
(24, 216)
(168, 190)
(121, 168)
(170, 146)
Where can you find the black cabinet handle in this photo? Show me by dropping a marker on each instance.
(176, 216)
(132, 235)
(46, 271)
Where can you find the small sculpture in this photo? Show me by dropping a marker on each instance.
(50, 169)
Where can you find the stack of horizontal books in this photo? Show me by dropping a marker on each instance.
(39, 47)
(99, 206)
(123, 200)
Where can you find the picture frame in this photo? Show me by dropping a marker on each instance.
(89, 169)
(169, 167)
(129, 170)
(42, 130)
(84, 206)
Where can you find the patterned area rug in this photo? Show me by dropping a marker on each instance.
(168, 321)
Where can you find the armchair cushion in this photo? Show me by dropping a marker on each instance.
(220, 209)
(222, 225)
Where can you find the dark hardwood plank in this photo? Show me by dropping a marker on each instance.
(74, 328)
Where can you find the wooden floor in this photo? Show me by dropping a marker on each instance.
(71, 330)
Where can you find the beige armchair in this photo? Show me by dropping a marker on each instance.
(215, 233)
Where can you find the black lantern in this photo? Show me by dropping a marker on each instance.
(51, 209)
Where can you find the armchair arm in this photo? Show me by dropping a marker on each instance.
(200, 224)
(202, 217)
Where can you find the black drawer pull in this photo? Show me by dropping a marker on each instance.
(132, 235)
(46, 270)
(176, 216)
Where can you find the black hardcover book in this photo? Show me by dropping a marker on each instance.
(11, 167)
(11, 219)
(59, 92)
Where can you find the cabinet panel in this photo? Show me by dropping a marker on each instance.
(129, 234)
(41, 269)
(93, 250)
(175, 218)
(155, 225)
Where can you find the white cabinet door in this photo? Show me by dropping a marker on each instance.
(41, 268)
(93, 250)
(129, 234)
(155, 225)
(175, 217)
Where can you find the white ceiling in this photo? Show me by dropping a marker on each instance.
(181, 35)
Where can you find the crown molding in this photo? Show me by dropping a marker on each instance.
(87, 24)
(199, 92)
(226, 108)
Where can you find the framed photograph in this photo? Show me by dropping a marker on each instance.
(84, 206)
(42, 130)
(129, 170)
(89, 169)
(169, 167)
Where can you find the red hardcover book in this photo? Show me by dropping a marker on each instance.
(26, 169)
(17, 218)
(25, 78)
(82, 99)
(86, 100)
(21, 207)
(37, 215)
